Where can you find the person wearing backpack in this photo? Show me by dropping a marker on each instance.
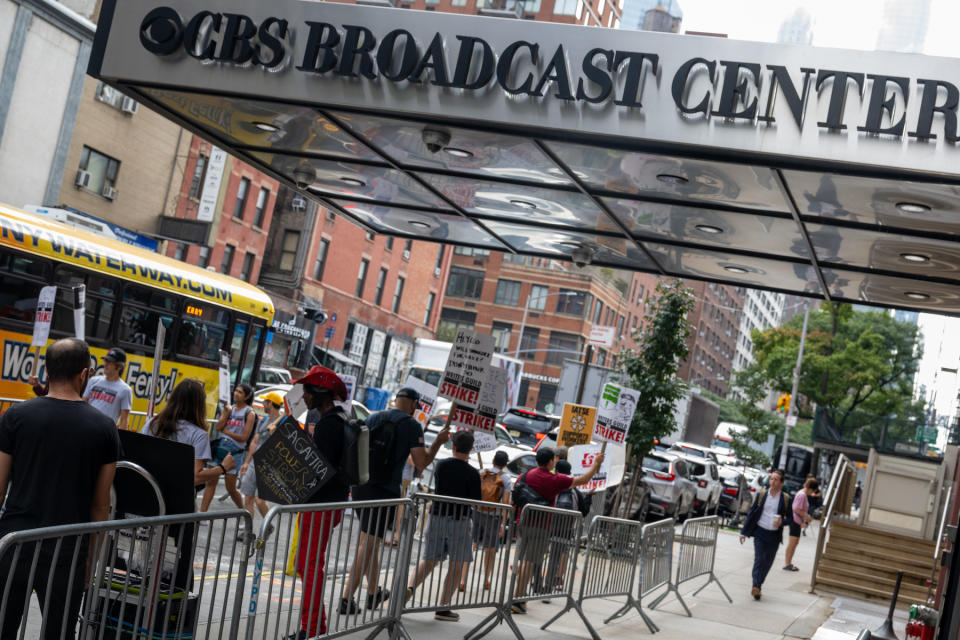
(496, 483)
(764, 523)
(394, 435)
(321, 388)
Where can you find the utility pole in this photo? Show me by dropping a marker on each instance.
(792, 411)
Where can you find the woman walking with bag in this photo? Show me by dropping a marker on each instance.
(272, 403)
(236, 426)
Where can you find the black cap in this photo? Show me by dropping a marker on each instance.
(407, 392)
(500, 459)
(117, 355)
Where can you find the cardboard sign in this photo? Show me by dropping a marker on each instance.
(79, 311)
(350, 382)
(576, 425)
(44, 316)
(293, 404)
(489, 404)
(428, 398)
(615, 412)
(289, 466)
(483, 441)
(155, 373)
(581, 457)
(602, 336)
(466, 368)
(224, 377)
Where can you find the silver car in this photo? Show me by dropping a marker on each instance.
(704, 472)
(672, 493)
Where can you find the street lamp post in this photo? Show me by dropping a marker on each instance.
(526, 308)
(792, 411)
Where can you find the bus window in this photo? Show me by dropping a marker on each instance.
(150, 298)
(202, 332)
(236, 348)
(100, 304)
(251, 357)
(139, 327)
(21, 278)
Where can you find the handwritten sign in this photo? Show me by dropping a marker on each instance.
(483, 418)
(466, 368)
(224, 377)
(289, 466)
(483, 441)
(581, 457)
(350, 382)
(44, 316)
(576, 425)
(615, 412)
(428, 398)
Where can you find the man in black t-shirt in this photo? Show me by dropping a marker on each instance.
(408, 441)
(58, 455)
(449, 530)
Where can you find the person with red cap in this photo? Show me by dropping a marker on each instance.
(321, 388)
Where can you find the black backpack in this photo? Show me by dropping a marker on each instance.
(382, 450)
(573, 500)
(523, 494)
(355, 457)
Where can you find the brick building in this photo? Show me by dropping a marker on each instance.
(714, 330)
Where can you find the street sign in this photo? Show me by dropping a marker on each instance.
(329, 332)
(333, 318)
(927, 434)
(576, 424)
(466, 368)
(615, 412)
(791, 421)
(602, 336)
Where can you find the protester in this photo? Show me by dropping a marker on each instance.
(548, 485)
(764, 523)
(272, 403)
(448, 532)
(108, 393)
(321, 388)
(409, 473)
(397, 431)
(489, 526)
(801, 518)
(181, 419)
(58, 457)
(236, 426)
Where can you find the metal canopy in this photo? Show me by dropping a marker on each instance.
(817, 191)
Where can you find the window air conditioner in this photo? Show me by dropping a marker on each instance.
(128, 105)
(406, 255)
(436, 271)
(109, 193)
(299, 203)
(82, 179)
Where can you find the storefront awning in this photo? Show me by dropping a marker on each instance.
(821, 172)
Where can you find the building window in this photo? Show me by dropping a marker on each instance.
(247, 271)
(547, 400)
(528, 343)
(439, 264)
(453, 319)
(571, 302)
(563, 346)
(398, 294)
(321, 259)
(370, 236)
(598, 311)
(227, 263)
(199, 173)
(458, 3)
(389, 244)
(288, 251)
(259, 212)
(101, 172)
(470, 251)
(465, 283)
(429, 312)
(601, 358)
(180, 252)
(508, 292)
(204, 259)
(537, 300)
(407, 246)
(361, 278)
(501, 336)
(531, 6)
(381, 281)
(241, 202)
(565, 7)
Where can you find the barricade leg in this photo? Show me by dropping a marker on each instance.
(670, 587)
(713, 578)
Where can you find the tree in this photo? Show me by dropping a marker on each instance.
(651, 367)
(751, 385)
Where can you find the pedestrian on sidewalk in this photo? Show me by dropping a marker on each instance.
(272, 403)
(801, 518)
(765, 524)
(107, 393)
(496, 483)
(236, 427)
(448, 532)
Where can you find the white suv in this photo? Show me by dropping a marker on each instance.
(706, 475)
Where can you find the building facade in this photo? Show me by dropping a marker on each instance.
(761, 310)
(714, 330)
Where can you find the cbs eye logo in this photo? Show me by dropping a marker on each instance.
(161, 31)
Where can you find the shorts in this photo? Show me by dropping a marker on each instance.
(486, 529)
(222, 451)
(448, 536)
(375, 521)
(534, 544)
(248, 483)
(794, 529)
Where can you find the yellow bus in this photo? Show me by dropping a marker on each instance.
(127, 291)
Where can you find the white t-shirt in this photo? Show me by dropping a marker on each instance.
(189, 433)
(109, 398)
(769, 513)
(505, 476)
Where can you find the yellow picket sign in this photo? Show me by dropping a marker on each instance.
(576, 425)
(291, 569)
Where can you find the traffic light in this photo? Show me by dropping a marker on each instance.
(316, 315)
(783, 403)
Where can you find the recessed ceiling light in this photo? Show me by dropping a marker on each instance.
(418, 224)
(572, 245)
(913, 207)
(457, 152)
(917, 295)
(709, 228)
(266, 126)
(523, 204)
(733, 269)
(669, 178)
(915, 257)
(353, 182)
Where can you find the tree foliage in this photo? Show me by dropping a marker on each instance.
(651, 366)
(750, 384)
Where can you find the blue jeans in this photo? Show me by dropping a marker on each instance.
(765, 546)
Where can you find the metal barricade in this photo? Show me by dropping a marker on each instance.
(698, 552)
(159, 577)
(656, 562)
(609, 569)
(461, 560)
(544, 564)
(311, 561)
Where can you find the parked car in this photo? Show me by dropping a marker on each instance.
(270, 376)
(672, 494)
(358, 410)
(704, 472)
(527, 426)
(436, 423)
(736, 497)
(757, 480)
(639, 508)
(695, 450)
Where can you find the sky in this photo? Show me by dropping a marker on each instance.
(760, 20)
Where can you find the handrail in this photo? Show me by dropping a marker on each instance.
(937, 549)
(833, 489)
